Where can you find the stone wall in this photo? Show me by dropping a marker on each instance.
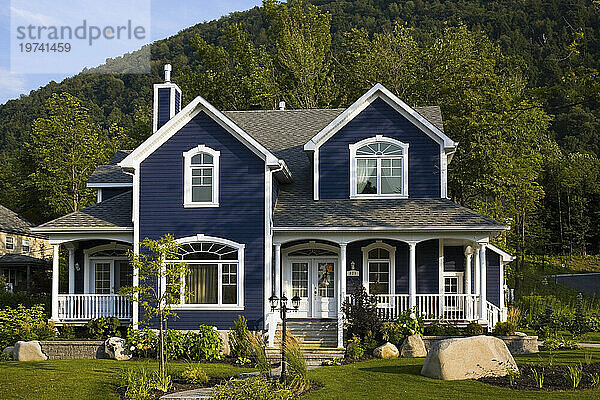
(516, 344)
(67, 349)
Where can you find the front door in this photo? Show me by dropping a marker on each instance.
(314, 281)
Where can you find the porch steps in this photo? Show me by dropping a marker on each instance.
(318, 340)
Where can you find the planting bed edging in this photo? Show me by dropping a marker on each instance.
(516, 344)
(70, 349)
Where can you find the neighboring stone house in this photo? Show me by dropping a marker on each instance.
(24, 255)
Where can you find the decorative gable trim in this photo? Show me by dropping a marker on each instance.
(504, 256)
(169, 129)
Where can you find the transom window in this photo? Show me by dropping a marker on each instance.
(215, 277)
(201, 177)
(379, 168)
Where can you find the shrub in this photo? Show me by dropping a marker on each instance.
(369, 342)
(504, 329)
(142, 342)
(263, 365)
(252, 389)
(406, 324)
(574, 374)
(103, 328)
(355, 350)
(25, 299)
(473, 329)
(552, 343)
(361, 313)
(202, 345)
(67, 332)
(138, 384)
(22, 323)
(239, 339)
(569, 344)
(297, 371)
(442, 328)
(194, 374)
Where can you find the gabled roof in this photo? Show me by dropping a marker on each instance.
(379, 92)
(113, 214)
(503, 255)
(198, 105)
(11, 222)
(111, 174)
(22, 259)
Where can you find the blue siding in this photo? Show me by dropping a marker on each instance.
(428, 267)
(164, 105)
(454, 259)
(107, 193)
(380, 119)
(493, 277)
(275, 191)
(240, 216)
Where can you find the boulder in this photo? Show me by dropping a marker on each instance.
(29, 351)
(224, 335)
(116, 348)
(468, 358)
(386, 350)
(413, 346)
(10, 350)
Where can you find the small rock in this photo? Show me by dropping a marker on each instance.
(10, 350)
(413, 346)
(116, 348)
(29, 351)
(386, 350)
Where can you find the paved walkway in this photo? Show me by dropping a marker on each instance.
(590, 345)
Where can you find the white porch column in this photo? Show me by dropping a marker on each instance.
(71, 269)
(277, 269)
(476, 268)
(412, 275)
(482, 282)
(468, 266)
(441, 299)
(273, 318)
(342, 294)
(55, 274)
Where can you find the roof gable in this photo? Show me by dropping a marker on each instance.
(11, 222)
(198, 105)
(379, 92)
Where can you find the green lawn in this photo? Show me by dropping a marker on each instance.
(376, 379)
(400, 378)
(590, 337)
(78, 379)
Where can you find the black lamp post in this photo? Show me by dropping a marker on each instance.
(283, 308)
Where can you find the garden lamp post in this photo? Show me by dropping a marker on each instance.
(283, 309)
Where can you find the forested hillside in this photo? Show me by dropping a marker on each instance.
(516, 79)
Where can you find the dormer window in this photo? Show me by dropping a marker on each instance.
(201, 182)
(379, 168)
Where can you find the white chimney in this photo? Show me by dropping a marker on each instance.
(167, 73)
(282, 105)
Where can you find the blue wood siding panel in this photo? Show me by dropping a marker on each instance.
(164, 105)
(493, 277)
(427, 267)
(107, 193)
(240, 216)
(275, 191)
(379, 119)
(454, 259)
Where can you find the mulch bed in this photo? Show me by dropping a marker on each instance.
(178, 386)
(555, 378)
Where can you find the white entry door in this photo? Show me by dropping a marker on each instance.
(314, 281)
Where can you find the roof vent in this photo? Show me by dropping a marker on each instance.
(282, 105)
(167, 73)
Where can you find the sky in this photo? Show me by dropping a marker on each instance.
(166, 18)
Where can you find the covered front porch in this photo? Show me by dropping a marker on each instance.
(455, 277)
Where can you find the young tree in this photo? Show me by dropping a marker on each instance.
(65, 149)
(160, 285)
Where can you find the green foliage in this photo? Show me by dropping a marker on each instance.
(194, 374)
(405, 325)
(473, 329)
(297, 371)
(103, 328)
(252, 389)
(138, 384)
(162, 382)
(25, 324)
(333, 362)
(538, 376)
(552, 343)
(25, 299)
(67, 332)
(574, 374)
(263, 365)
(205, 344)
(504, 329)
(595, 378)
(361, 313)
(355, 350)
(442, 328)
(512, 375)
(239, 339)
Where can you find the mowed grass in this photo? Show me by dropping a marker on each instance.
(81, 379)
(401, 379)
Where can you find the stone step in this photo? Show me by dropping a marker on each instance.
(195, 394)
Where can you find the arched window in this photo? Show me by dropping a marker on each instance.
(216, 272)
(379, 268)
(201, 182)
(379, 168)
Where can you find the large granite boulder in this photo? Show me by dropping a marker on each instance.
(468, 358)
(29, 351)
(10, 350)
(386, 350)
(116, 348)
(413, 346)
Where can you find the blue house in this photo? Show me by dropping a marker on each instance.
(307, 203)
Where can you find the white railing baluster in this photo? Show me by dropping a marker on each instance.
(82, 307)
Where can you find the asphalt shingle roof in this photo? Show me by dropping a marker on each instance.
(112, 213)
(11, 222)
(112, 173)
(12, 259)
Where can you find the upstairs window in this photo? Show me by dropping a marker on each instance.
(201, 182)
(379, 168)
(9, 243)
(26, 246)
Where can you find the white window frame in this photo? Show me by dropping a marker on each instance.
(10, 246)
(187, 182)
(392, 260)
(353, 168)
(89, 272)
(26, 244)
(460, 276)
(240, 247)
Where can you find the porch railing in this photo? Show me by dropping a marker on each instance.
(494, 314)
(81, 307)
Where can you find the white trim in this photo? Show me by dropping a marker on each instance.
(412, 275)
(71, 269)
(353, 167)
(504, 256)
(483, 281)
(109, 185)
(187, 172)
(378, 244)
(12, 243)
(431, 228)
(135, 217)
(441, 271)
(316, 193)
(88, 277)
(55, 280)
(268, 235)
(84, 230)
(173, 89)
(443, 174)
(454, 274)
(99, 196)
(198, 105)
